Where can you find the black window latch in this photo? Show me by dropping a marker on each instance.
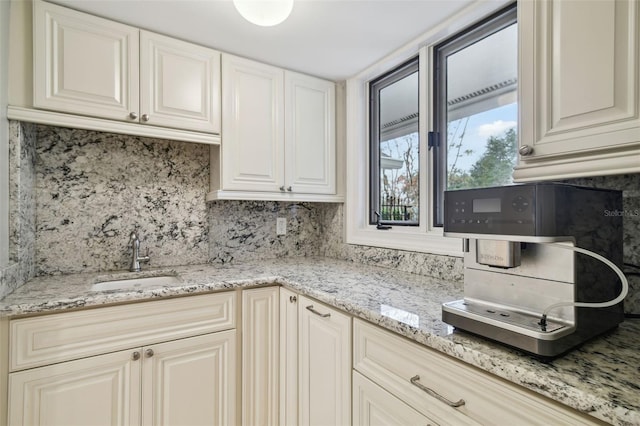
(379, 225)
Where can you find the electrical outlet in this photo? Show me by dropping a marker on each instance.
(281, 226)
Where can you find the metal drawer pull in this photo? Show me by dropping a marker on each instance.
(310, 308)
(148, 353)
(414, 381)
(293, 299)
(135, 356)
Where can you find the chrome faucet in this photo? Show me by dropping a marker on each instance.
(134, 242)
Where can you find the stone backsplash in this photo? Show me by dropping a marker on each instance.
(630, 187)
(22, 208)
(93, 189)
(76, 195)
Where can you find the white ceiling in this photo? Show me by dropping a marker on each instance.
(334, 39)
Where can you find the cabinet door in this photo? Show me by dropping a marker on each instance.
(179, 84)
(373, 406)
(190, 381)
(579, 81)
(100, 390)
(253, 117)
(310, 134)
(84, 64)
(288, 358)
(260, 356)
(325, 365)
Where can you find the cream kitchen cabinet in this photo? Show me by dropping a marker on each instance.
(324, 337)
(84, 367)
(373, 406)
(95, 73)
(280, 138)
(442, 389)
(179, 84)
(579, 78)
(260, 356)
(84, 64)
(288, 358)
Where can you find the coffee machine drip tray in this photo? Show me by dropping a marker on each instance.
(472, 315)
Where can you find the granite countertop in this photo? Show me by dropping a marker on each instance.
(601, 378)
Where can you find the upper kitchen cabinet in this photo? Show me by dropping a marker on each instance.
(84, 64)
(279, 135)
(179, 84)
(310, 155)
(97, 74)
(253, 121)
(579, 88)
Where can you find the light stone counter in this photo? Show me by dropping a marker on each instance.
(601, 378)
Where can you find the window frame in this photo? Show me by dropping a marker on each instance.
(497, 21)
(426, 237)
(396, 74)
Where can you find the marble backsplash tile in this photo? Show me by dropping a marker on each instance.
(93, 189)
(630, 187)
(22, 208)
(246, 230)
(243, 230)
(331, 215)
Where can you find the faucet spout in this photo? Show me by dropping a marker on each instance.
(134, 242)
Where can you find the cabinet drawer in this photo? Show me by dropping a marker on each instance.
(392, 362)
(60, 337)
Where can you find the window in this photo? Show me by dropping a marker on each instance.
(395, 163)
(475, 107)
(394, 151)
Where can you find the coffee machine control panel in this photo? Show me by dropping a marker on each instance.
(508, 210)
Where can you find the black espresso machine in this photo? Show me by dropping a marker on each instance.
(540, 264)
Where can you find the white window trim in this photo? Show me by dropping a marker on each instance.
(426, 237)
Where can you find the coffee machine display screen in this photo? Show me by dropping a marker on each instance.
(487, 205)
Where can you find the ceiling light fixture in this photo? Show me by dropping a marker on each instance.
(265, 13)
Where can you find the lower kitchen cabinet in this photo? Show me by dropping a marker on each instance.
(260, 356)
(325, 364)
(288, 358)
(101, 390)
(184, 382)
(82, 368)
(190, 381)
(440, 388)
(373, 406)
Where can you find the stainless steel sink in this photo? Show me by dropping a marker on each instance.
(135, 281)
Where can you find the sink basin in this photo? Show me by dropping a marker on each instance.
(134, 282)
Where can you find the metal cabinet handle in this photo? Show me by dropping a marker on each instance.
(289, 188)
(525, 150)
(310, 308)
(293, 299)
(133, 115)
(145, 117)
(282, 188)
(148, 353)
(414, 381)
(135, 356)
